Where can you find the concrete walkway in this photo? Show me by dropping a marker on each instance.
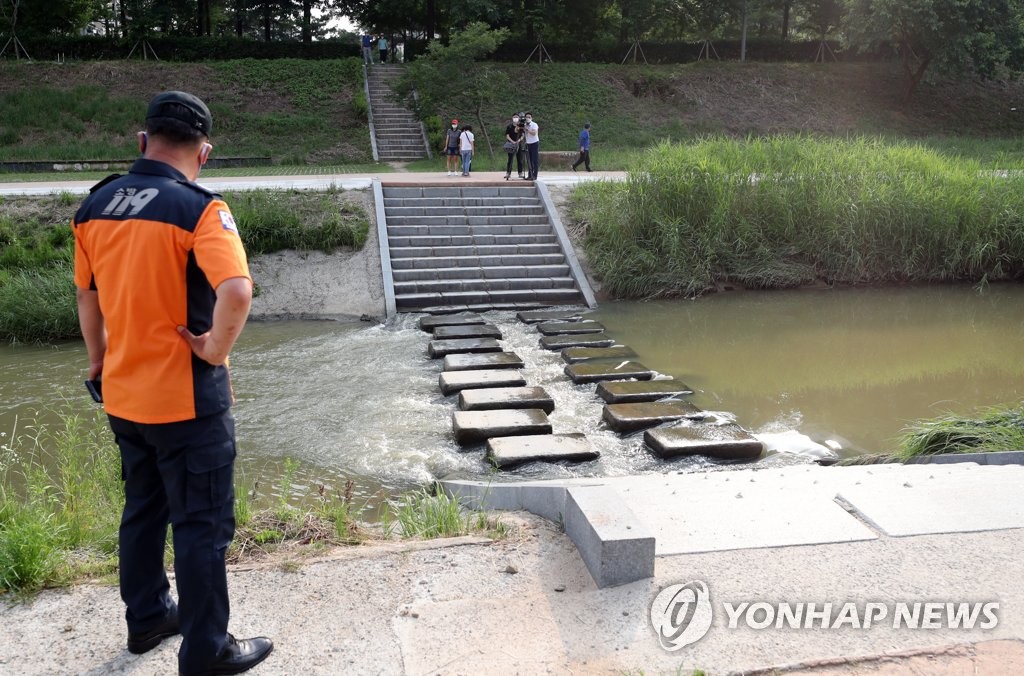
(323, 182)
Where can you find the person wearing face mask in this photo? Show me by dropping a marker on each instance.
(532, 146)
(451, 148)
(163, 292)
(513, 144)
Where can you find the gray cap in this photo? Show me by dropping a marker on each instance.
(183, 107)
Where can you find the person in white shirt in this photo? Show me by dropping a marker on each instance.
(466, 141)
(532, 146)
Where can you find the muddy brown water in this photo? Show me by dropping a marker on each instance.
(352, 400)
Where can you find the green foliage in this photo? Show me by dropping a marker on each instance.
(778, 212)
(992, 430)
(423, 514)
(38, 305)
(270, 221)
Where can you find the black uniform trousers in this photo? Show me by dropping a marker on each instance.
(179, 473)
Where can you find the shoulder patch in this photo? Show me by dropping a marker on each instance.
(227, 220)
(105, 181)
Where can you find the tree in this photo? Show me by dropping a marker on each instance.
(954, 35)
(452, 77)
(60, 17)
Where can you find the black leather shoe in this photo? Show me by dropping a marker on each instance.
(240, 655)
(144, 641)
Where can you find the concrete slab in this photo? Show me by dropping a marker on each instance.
(614, 544)
(569, 328)
(469, 331)
(993, 458)
(491, 398)
(475, 426)
(632, 391)
(632, 417)
(475, 362)
(431, 322)
(939, 499)
(592, 372)
(456, 381)
(585, 340)
(535, 316)
(510, 451)
(571, 355)
(725, 442)
(441, 348)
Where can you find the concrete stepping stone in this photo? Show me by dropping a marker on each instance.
(474, 426)
(431, 322)
(592, 372)
(644, 390)
(632, 417)
(469, 331)
(456, 381)
(572, 355)
(725, 442)
(535, 316)
(490, 398)
(442, 348)
(569, 328)
(491, 360)
(509, 451)
(584, 340)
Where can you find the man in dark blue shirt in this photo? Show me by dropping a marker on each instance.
(584, 148)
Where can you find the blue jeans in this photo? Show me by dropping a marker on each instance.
(467, 159)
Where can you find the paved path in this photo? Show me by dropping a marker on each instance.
(322, 182)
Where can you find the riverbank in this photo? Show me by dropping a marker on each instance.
(528, 605)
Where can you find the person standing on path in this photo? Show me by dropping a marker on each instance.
(451, 148)
(466, 147)
(163, 291)
(382, 47)
(584, 144)
(532, 146)
(367, 49)
(513, 143)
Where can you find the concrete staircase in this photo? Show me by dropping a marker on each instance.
(398, 133)
(487, 246)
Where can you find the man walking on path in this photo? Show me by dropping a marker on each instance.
(532, 146)
(451, 148)
(367, 49)
(163, 291)
(584, 144)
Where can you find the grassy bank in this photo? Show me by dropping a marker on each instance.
(787, 211)
(993, 429)
(37, 248)
(61, 496)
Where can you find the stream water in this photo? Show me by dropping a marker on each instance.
(361, 401)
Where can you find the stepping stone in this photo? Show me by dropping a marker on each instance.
(470, 331)
(488, 399)
(647, 390)
(575, 354)
(569, 328)
(632, 417)
(490, 360)
(726, 442)
(473, 426)
(591, 372)
(508, 451)
(441, 348)
(585, 340)
(432, 322)
(456, 381)
(549, 315)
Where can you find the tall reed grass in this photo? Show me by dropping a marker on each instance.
(784, 211)
(991, 430)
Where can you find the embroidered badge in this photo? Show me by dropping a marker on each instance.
(228, 221)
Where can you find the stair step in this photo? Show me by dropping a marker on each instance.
(459, 201)
(476, 261)
(486, 299)
(469, 240)
(486, 250)
(512, 284)
(510, 210)
(499, 190)
(496, 272)
(495, 225)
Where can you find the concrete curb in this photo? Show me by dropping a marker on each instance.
(615, 546)
(567, 248)
(385, 250)
(994, 458)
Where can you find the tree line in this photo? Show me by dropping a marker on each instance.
(984, 37)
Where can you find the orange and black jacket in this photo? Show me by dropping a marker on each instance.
(155, 246)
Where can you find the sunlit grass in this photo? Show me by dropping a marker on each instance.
(991, 430)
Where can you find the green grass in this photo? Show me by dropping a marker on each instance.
(991, 430)
(779, 212)
(37, 295)
(425, 514)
